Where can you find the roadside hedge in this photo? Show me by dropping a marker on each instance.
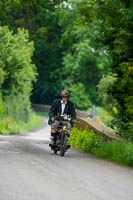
(17, 74)
(9, 126)
(87, 141)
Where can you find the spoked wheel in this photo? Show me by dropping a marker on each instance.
(62, 152)
(63, 144)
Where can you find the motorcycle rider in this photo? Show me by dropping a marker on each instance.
(60, 107)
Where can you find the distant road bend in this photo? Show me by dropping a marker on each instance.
(30, 171)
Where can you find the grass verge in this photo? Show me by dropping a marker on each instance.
(87, 141)
(10, 126)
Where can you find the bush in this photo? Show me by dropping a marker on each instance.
(82, 139)
(9, 126)
(86, 140)
(34, 122)
(18, 108)
(2, 107)
(105, 96)
(16, 73)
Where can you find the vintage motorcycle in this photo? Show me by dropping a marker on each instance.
(61, 138)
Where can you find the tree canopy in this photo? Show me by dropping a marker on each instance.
(16, 73)
(116, 33)
(78, 45)
(65, 52)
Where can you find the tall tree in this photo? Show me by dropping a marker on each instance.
(65, 50)
(40, 18)
(116, 33)
(85, 59)
(16, 72)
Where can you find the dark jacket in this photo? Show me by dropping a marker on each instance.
(55, 109)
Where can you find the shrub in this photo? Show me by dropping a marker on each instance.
(106, 97)
(2, 107)
(9, 126)
(16, 73)
(86, 140)
(82, 139)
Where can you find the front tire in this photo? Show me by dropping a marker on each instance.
(63, 144)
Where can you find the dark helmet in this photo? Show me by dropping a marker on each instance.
(64, 93)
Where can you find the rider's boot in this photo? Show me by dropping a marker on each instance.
(53, 140)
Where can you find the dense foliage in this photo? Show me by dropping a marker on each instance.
(116, 33)
(87, 141)
(17, 72)
(16, 76)
(106, 97)
(66, 53)
(10, 126)
(78, 45)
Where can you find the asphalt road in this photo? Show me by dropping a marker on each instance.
(30, 171)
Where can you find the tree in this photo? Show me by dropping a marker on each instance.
(85, 59)
(79, 96)
(105, 94)
(17, 72)
(40, 18)
(116, 32)
(66, 51)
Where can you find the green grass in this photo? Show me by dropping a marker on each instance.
(34, 122)
(10, 126)
(87, 141)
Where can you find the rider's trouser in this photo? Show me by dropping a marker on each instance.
(56, 124)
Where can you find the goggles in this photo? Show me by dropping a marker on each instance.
(63, 96)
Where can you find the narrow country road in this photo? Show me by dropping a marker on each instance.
(30, 171)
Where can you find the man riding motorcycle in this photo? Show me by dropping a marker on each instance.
(60, 107)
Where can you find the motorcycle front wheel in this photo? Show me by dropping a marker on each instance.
(63, 144)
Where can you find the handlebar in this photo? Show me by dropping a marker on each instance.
(64, 117)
